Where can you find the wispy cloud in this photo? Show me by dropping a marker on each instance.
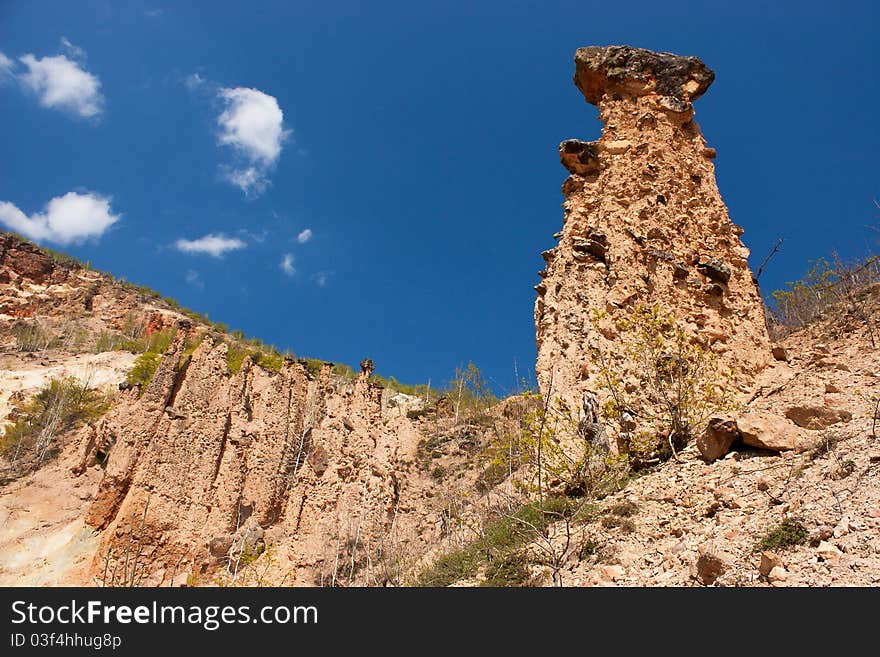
(68, 219)
(193, 278)
(154, 12)
(287, 264)
(322, 278)
(213, 244)
(6, 68)
(259, 238)
(63, 83)
(74, 52)
(253, 181)
(194, 81)
(252, 124)
(304, 236)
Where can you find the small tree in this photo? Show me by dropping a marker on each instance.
(560, 452)
(679, 385)
(61, 405)
(469, 392)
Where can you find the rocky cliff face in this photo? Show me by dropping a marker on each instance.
(644, 224)
(205, 469)
(322, 479)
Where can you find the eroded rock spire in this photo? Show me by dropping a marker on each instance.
(644, 224)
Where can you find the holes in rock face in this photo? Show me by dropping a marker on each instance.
(595, 245)
(101, 457)
(680, 272)
(661, 199)
(696, 179)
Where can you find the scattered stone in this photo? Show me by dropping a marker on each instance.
(817, 417)
(828, 552)
(716, 440)
(830, 388)
(764, 430)
(174, 413)
(769, 561)
(780, 353)
(612, 573)
(778, 576)
(820, 534)
(617, 147)
(219, 546)
(709, 568)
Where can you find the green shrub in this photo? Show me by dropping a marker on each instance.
(785, 535)
(469, 393)
(60, 406)
(498, 548)
(681, 384)
(624, 509)
(272, 360)
(343, 370)
(452, 567)
(143, 370)
(31, 337)
(492, 475)
(510, 570)
(626, 525)
(590, 548)
(313, 366)
(189, 347)
(160, 340)
(235, 357)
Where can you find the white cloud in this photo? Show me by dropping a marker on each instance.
(6, 66)
(287, 264)
(193, 81)
(61, 83)
(67, 219)
(214, 244)
(259, 238)
(75, 52)
(193, 278)
(304, 236)
(154, 13)
(252, 123)
(253, 181)
(321, 278)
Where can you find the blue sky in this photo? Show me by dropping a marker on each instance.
(348, 182)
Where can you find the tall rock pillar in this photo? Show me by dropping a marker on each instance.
(644, 224)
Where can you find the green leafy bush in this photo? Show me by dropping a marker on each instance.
(235, 357)
(498, 549)
(61, 405)
(785, 535)
(143, 370)
(270, 360)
